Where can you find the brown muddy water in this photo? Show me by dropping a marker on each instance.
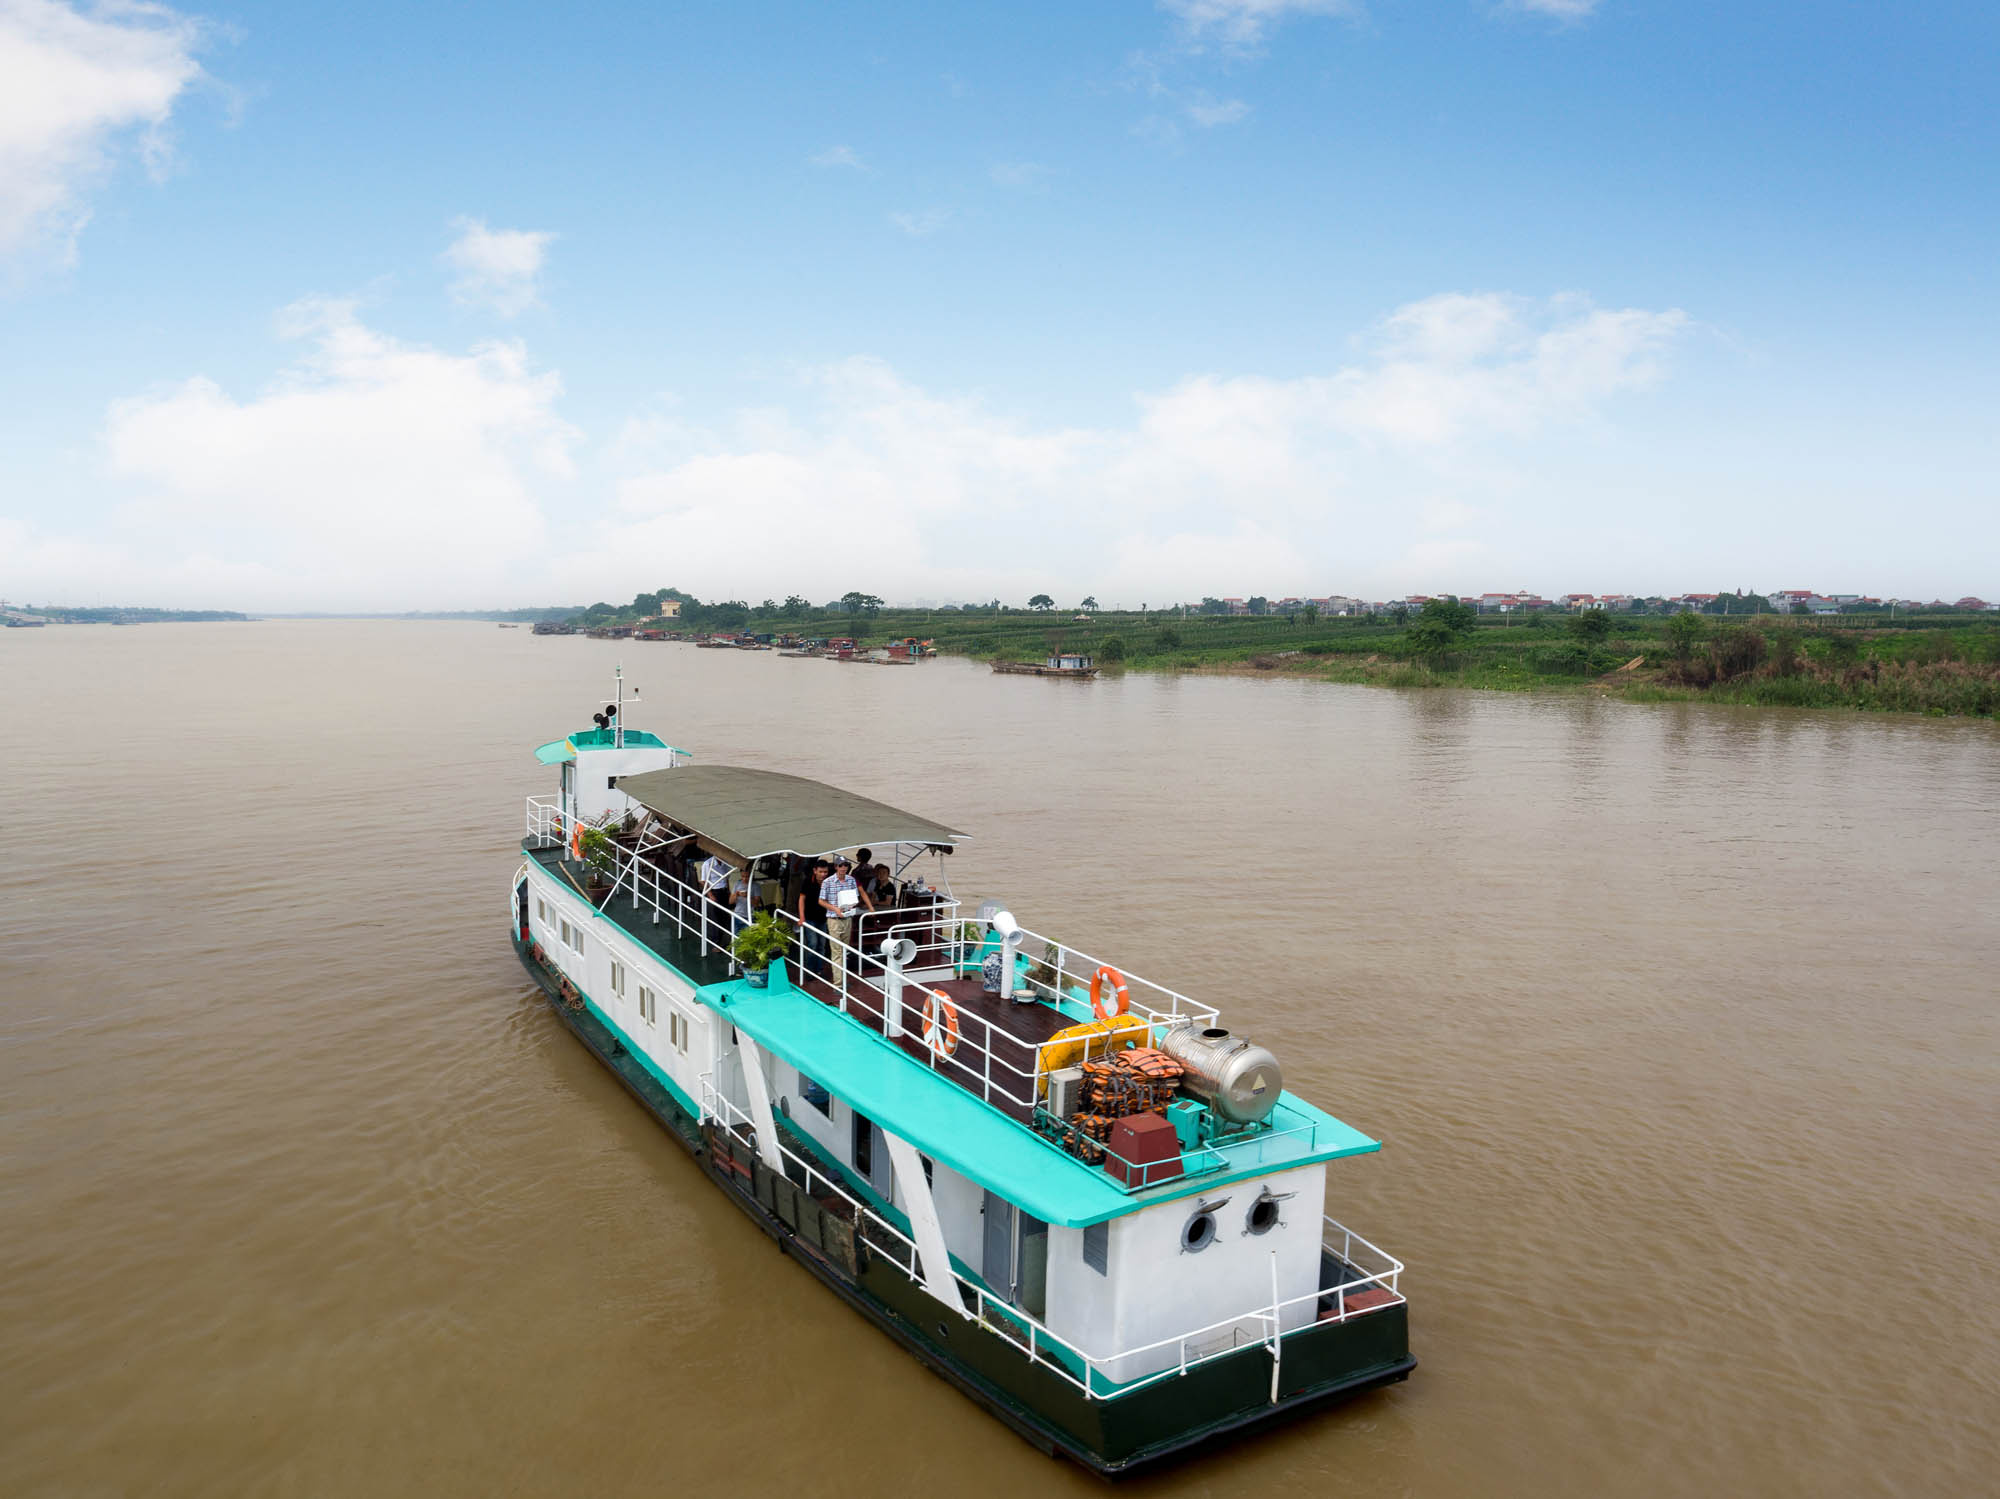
(1678, 1022)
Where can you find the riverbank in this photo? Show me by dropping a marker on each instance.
(1942, 664)
(1938, 665)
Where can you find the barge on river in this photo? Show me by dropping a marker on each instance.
(1081, 668)
(1067, 1190)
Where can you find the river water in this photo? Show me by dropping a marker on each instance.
(1678, 1023)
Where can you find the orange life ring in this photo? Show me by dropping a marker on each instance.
(1109, 975)
(940, 1024)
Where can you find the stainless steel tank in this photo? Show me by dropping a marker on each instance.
(1238, 1080)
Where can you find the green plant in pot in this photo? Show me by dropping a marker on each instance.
(761, 944)
(600, 856)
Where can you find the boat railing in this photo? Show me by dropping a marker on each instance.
(984, 1058)
(1105, 1376)
(1060, 974)
(1063, 975)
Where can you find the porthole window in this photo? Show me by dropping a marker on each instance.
(1262, 1217)
(1198, 1234)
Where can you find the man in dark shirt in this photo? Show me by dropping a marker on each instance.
(812, 916)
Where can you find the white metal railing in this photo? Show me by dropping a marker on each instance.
(1097, 1380)
(984, 1058)
(1064, 973)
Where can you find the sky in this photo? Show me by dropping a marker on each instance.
(380, 307)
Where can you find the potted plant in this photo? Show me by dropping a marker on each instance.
(761, 944)
(600, 859)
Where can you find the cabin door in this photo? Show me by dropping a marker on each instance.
(997, 1257)
(1014, 1254)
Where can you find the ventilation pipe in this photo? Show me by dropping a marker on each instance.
(1011, 938)
(897, 954)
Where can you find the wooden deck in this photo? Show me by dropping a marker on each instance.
(1011, 1033)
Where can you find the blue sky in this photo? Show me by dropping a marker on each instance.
(391, 307)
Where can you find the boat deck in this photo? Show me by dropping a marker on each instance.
(998, 1039)
(684, 952)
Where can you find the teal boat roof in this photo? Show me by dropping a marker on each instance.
(558, 750)
(879, 1079)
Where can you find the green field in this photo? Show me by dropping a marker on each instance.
(1945, 665)
(1936, 663)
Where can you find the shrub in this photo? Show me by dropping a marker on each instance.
(1573, 658)
(1684, 632)
(1591, 626)
(1785, 655)
(765, 940)
(1112, 648)
(1739, 650)
(1168, 640)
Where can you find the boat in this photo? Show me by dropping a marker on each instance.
(1059, 665)
(1066, 1189)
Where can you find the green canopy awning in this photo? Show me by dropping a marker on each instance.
(756, 812)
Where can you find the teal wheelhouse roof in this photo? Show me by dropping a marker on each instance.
(877, 1078)
(558, 750)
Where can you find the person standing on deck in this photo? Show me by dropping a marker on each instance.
(840, 914)
(812, 916)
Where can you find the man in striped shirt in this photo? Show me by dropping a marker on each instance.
(840, 913)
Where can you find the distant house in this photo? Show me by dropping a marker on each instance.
(1972, 605)
(1237, 606)
(669, 609)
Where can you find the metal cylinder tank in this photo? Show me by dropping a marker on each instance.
(1238, 1080)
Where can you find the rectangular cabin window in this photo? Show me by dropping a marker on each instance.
(617, 978)
(568, 937)
(815, 1095)
(647, 1006)
(864, 1147)
(541, 911)
(678, 1026)
(1097, 1247)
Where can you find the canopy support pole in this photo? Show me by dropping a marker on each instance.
(925, 1226)
(757, 1076)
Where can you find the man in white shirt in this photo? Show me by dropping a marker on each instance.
(841, 898)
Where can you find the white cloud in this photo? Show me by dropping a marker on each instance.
(835, 156)
(1241, 25)
(78, 88)
(373, 472)
(927, 221)
(1241, 480)
(1208, 112)
(377, 474)
(497, 268)
(1564, 10)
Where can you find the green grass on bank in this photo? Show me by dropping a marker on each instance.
(1938, 664)
(1945, 664)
